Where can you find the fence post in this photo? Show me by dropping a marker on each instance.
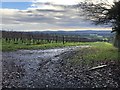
(63, 40)
(56, 40)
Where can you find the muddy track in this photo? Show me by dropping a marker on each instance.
(50, 68)
(34, 68)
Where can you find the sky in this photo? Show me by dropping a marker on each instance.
(42, 15)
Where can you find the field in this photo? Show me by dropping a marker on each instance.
(97, 52)
(58, 66)
(10, 46)
(29, 40)
(58, 62)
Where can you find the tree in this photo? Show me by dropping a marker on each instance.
(104, 13)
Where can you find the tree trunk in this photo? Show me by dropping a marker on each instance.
(117, 44)
(117, 41)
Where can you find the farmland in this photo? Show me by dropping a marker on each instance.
(62, 67)
(26, 40)
(45, 60)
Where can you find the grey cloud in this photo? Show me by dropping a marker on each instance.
(46, 10)
(45, 18)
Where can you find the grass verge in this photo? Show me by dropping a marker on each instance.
(97, 52)
(17, 46)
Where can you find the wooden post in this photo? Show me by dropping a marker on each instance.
(56, 40)
(63, 40)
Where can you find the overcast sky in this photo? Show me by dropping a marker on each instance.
(21, 15)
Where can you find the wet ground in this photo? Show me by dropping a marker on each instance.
(33, 68)
(48, 68)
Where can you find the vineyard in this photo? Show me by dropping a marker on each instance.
(40, 38)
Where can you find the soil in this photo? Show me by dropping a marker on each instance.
(51, 69)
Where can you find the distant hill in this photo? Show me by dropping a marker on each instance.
(78, 32)
(88, 34)
(85, 32)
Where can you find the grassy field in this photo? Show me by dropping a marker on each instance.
(97, 52)
(12, 45)
(102, 51)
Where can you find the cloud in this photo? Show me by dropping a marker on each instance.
(17, 0)
(44, 16)
(59, 2)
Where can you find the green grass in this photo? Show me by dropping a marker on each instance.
(97, 52)
(12, 45)
(0, 44)
(102, 51)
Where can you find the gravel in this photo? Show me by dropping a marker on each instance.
(51, 69)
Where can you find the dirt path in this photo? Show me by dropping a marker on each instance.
(50, 68)
(34, 68)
